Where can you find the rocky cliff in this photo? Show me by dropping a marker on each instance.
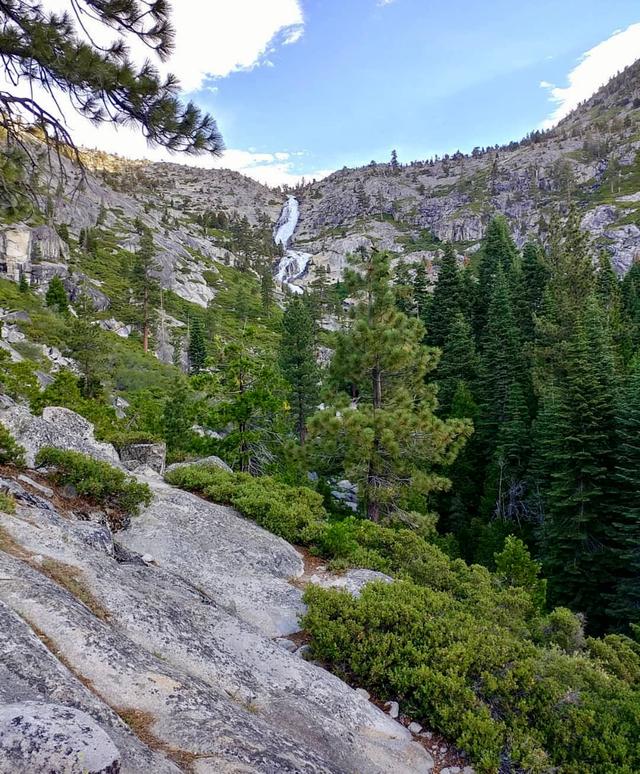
(163, 647)
(591, 159)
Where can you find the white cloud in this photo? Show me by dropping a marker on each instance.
(594, 69)
(212, 41)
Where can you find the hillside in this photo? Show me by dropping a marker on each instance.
(259, 514)
(590, 159)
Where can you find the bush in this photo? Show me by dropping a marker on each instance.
(7, 503)
(121, 440)
(482, 681)
(98, 481)
(10, 450)
(294, 513)
(466, 651)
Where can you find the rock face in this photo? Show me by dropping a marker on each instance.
(51, 737)
(174, 655)
(15, 252)
(153, 455)
(57, 427)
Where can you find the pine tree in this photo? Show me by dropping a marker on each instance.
(394, 161)
(388, 440)
(266, 287)
(498, 251)
(458, 363)
(403, 288)
(608, 289)
(631, 303)
(298, 362)
(87, 345)
(24, 285)
(250, 402)
(56, 296)
(624, 605)
(577, 531)
(503, 424)
(51, 51)
(501, 362)
(421, 295)
(145, 287)
(446, 300)
(534, 280)
(197, 349)
(177, 418)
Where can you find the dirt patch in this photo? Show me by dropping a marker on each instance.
(70, 578)
(141, 722)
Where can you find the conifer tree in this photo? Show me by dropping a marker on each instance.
(177, 418)
(87, 345)
(498, 251)
(266, 287)
(608, 289)
(380, 429)
(578, 525)
(624, 606)
(56, 296)
(197, 349)
(298, 362)
(534, 280)
(24, 285)
(145, 287)
(446, 300)
(50, 50)
(631, 303)
(501, 361)
(403, 288)
(458, 363)
(421, 295)
(250, 400)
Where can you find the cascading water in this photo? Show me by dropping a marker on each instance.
(293, 264)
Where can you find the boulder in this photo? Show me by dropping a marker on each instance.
(47, 243)
(352, 581)
(59, 427)
(15, 251)
(153, 455)
(36, 736)
(212, 461)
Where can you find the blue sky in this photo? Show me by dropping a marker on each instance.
(302, 87)
(418, 75)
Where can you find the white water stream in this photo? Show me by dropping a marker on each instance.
(293, 264)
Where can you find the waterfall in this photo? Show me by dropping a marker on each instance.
(294, 263)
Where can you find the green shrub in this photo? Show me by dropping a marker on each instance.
(10, 450)
(7, 503)
(96, 480)
(294, 513)
(482, 682)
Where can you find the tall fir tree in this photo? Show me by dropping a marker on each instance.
(298, 362)
(624, 604)
(380, 429)
(534, 280)
(458, 363)
(145, 287)
(580, 443)
(497, 251)
(197, 348)
(446, 300)
(249, 400)
(56, 296)
(421, 294)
